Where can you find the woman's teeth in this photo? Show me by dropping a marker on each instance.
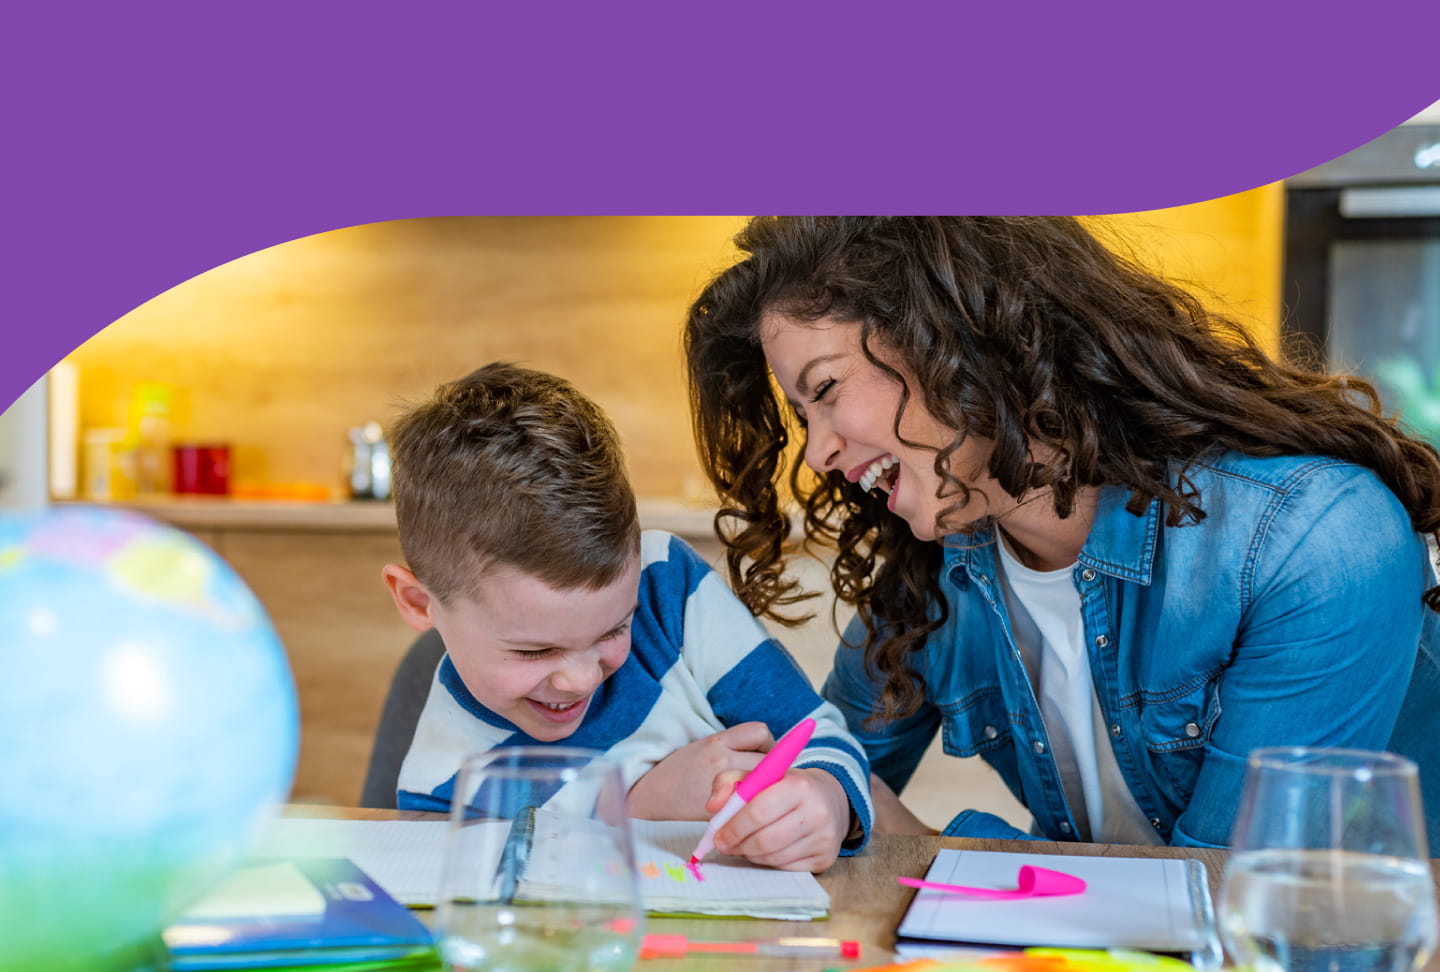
(559, 706)
(877, 470)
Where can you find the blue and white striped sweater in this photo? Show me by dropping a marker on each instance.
(699, 662)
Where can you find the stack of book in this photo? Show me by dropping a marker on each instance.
(300, 913)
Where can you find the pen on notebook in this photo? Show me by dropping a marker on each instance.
(678, 946)
(515, 852)
(770, 770)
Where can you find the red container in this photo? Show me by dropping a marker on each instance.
(202, 469)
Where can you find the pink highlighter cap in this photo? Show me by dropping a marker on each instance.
(776, 761)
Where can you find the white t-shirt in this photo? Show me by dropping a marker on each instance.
(1050, 634)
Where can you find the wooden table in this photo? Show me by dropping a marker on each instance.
(866, 902)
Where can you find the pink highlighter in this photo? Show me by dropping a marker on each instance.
(774, 766)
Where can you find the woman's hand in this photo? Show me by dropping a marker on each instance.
(796, 823)
(679, 786)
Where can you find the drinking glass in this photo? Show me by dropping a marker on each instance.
(1328, 870)
(539, 871)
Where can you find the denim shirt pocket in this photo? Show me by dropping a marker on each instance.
(1176, 726)
(976, 724)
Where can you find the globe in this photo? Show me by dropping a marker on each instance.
(148, 727)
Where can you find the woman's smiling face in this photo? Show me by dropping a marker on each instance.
(849, 407)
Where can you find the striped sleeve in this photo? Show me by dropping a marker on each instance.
(748, 676)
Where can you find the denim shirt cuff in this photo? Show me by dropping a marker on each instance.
(1179, 838)
(977, 823)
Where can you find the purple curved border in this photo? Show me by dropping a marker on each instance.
(151, 142)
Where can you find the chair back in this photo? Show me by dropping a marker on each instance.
(409, 687)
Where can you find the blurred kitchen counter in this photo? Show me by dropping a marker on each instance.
(203, 513)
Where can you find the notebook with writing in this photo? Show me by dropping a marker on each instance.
(732, 886)
(1150, 904)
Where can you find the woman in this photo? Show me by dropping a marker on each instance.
(1091, 530)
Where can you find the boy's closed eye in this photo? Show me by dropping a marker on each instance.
(531, 654)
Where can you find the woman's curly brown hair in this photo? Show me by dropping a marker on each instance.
(1027, 331)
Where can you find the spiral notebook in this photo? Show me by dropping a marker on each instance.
(1150, 903)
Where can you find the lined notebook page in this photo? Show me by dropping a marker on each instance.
(731, 885)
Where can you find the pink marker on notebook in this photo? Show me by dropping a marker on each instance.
(1032, 882)
(776, 762)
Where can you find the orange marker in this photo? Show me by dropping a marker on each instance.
(678, 946)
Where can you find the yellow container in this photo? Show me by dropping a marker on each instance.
(109, 465)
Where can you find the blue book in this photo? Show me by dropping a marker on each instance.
(312, 911)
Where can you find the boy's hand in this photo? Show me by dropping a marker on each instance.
(796, 824)
(678, 786)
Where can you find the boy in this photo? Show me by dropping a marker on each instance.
(562, 621)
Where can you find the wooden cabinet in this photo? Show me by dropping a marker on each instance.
(324, 595)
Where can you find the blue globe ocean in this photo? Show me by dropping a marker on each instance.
(148, 726)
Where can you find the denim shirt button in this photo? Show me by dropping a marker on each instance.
(1087, 574)
(1101, 641)
(1039, 748)
(1192, 730)
(991, 732)
(1155, 822)
(1115, 730)
(1064, 826)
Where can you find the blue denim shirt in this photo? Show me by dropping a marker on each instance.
(1290, 615)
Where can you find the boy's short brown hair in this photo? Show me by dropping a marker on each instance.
(512, 466)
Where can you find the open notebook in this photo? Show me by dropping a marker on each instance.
(404, 857)
(732, 886)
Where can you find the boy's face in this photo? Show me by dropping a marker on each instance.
(533, 654)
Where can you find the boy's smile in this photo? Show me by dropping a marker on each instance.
(535, 655)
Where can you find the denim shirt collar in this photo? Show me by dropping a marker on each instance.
(1120, 543)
